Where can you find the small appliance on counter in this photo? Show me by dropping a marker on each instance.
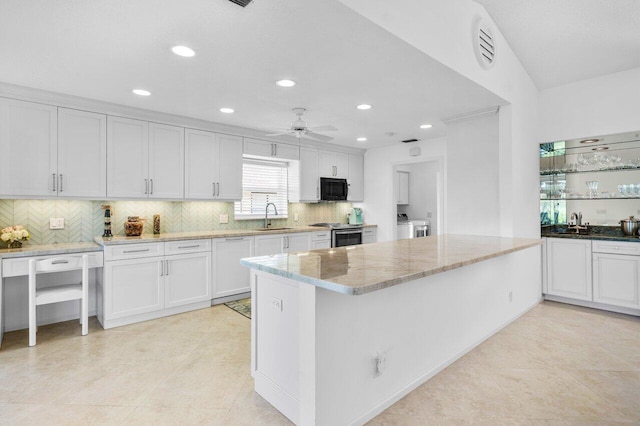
(355, 217)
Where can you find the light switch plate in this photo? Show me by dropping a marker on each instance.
(56, 223)
(224, 218)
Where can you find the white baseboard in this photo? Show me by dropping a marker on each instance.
(593, 305)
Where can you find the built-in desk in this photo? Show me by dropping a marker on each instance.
(14, 269)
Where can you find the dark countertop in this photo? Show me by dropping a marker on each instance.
(606, 233)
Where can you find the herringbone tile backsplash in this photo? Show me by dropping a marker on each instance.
(83, 220)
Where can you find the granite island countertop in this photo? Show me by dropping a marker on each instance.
(365, 268)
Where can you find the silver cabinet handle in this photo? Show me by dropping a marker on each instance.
(234, 239)
(275, 149)
(167, 263)
(57, 262)
(54, 182)
(146, 186)
(317, 192)
(214, 189)
(187, 247)
(135, 251)
(218, 192)
(161, 268)
(61, 182)
(151, 186)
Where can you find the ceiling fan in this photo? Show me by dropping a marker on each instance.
(299, 129)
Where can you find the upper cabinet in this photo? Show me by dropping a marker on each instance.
(213, 166)
(258, 148)
(333, 164)
(28, 146)
(309, 181)
(146, 160)
(356, 178)
(82, 154)
(403, 187)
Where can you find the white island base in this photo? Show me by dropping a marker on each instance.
(322, 357)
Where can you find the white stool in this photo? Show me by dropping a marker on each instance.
(59, 293)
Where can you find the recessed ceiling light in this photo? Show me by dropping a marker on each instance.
(227, 110)
(594, 140)
(286, 83)
(361, 139)
(185, 51)
(426, 126)
(141, 92)
(364, 106)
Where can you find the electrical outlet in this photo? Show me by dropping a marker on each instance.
(381, 363)
(428, 215)
(56, 223)
(224, 218)
(295, 217)
(276, 304)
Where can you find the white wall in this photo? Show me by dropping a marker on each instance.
(380, 207)
(594, 107)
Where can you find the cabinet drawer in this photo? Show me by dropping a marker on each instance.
(321, 235)
(133, 251)
(616, 247)
(187, 246)
(369, 231)
(20, 266)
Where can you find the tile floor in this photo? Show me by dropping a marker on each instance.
(556, 365)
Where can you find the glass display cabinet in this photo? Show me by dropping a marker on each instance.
(598, 176)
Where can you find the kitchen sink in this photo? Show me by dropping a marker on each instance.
(272, 229)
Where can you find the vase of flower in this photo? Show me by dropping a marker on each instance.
(14, 236)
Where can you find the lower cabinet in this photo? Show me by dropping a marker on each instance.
(321, 240)
(569, 268)
(267, 245)
(616, 279)
(149, 280)
(369, 235)
(229, 277)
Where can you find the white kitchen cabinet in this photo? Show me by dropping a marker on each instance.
(229, 277)
(187, 279)
(267, 245)
(309, 181)
(213, 166)
(133, 287)
(166, 161)
(258, 148)
(127, 158)
(616, 279)
(320, 240)
(356, 178)
(569, 268)
(369, 235)
(403, 187)
(333, 164)
(82, 154)
(28, 147)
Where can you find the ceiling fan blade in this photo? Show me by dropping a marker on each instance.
(317, 137)
(279, 134)
(325, 128)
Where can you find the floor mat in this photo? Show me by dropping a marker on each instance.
(242, 306)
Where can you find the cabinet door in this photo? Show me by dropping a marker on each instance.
(286, 151)
(229, 277)
(616, 279)
(342, 165)
(229, 168)
(369, 235)
(133, 287)
(166, 161)
(127, 158)
(28, 133)
(309, 177)
(267, 245)
(257, 147)
(356, 178)
(326, 164)
(569, 268)
(187, 279)
(82, 154)
(297, 242)
(200, 152)
(403, 187)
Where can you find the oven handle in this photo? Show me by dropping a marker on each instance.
(348, 231)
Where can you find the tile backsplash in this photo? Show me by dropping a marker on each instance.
(84, 220)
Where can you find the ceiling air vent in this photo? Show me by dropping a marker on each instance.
(410, 140)
(242, 3)
(484, 44)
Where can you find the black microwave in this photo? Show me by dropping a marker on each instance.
(332, 189)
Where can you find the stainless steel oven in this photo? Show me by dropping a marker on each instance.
(346, 237)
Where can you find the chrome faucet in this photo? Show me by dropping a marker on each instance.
(266, 214)
(577, 217)
(578, 222)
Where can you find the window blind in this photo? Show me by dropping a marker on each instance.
(262, 182)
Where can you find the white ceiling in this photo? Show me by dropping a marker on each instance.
(562, 41)
(103, 49)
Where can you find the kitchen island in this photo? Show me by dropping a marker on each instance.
(339, 335)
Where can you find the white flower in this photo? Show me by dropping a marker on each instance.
(4, 237)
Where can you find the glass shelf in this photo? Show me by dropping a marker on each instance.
(590, 199)
(571, 172)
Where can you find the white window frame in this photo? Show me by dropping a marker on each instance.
(283, 212)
